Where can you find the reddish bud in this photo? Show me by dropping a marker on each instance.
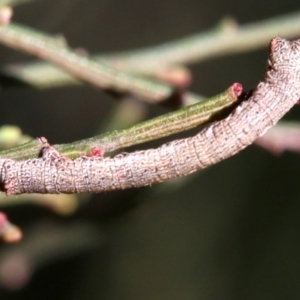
(237, 88)
(95, 151)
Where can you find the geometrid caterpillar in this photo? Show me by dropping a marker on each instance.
(54, 173)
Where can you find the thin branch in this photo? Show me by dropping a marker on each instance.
(42, 75)
(285, 136)
(24, 151)
(180, 120)
(165, 125)
(101, 75)
(226, 38)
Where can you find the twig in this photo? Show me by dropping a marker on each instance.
(226, 38)
(165, 125)
(24, 151)
(54, 173)
(101, 75)
(183, 119)
(42, 75)
(284, 136)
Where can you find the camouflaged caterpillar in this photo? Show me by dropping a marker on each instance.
(54, 173)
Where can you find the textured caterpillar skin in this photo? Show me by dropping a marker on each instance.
(54, 173)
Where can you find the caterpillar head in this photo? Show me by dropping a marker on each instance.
(284, 55)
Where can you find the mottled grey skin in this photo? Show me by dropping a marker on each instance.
(272, 98)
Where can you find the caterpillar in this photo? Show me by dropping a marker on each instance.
(273, 97)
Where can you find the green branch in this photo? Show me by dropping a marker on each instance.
(226, 38)
(101, 75)
(181, 120)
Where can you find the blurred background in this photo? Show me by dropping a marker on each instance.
(231, 231)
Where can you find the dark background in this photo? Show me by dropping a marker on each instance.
(229, 232)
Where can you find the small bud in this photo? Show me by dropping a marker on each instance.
(6, 13)
(95, 152)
